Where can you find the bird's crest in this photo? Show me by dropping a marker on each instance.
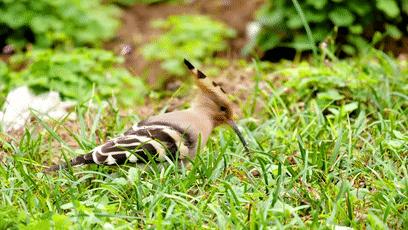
(209, 88)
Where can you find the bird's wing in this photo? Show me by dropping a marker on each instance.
(143, 143)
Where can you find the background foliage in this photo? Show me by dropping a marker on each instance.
(357, 23)
(194, 37)
(53, 23)
(77, 74)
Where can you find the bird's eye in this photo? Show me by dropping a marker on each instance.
(223, 108)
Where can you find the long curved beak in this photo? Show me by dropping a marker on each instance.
(239, 134)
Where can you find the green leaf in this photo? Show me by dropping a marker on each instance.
(399, 135)
(268, 41)
(348, 108)
(360, 7)
(334, 111)
(294, 22)
(393, 143)
(378, 36)
(301, 42)
(272, 19)
(331, 94)
(317, 4)
(319, 34)
(405, 6)
(348, 49)
(315, 16)
(356, 29)
(358, 41)
(393, 31)
(341, 17)
(389, 7)
(120, 181)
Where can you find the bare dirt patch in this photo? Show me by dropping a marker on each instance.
(136, 29)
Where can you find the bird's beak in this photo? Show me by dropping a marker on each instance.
(236, 130)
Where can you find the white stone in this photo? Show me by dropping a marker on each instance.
(21, 102)
(252, 29)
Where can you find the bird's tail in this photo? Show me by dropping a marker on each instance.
(150, 142)
(79, 160)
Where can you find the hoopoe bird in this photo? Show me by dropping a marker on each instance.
(173, 135)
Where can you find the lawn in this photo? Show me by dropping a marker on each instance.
(323, 153)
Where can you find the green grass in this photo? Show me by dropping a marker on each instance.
(329, 141)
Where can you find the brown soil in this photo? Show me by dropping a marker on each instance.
(136, 29)
(396, 47)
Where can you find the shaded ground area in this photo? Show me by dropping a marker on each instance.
(136, 29)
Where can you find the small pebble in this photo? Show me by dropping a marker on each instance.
(255, 173)
(8, 49)
(126, 49)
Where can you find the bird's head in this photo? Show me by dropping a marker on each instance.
(213, 101)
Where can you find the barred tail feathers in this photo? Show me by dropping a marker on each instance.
(79, 160)
(140, 143)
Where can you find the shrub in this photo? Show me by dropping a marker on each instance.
(77, 74)
(373, 83)
(356, 23)
(49, 23)
(188, 36)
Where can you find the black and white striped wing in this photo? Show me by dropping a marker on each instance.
(142, 144)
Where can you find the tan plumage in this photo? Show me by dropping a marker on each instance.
(171, 135)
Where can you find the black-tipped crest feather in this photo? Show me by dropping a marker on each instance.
(197, 72)
(200, 74)
(188, 64)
